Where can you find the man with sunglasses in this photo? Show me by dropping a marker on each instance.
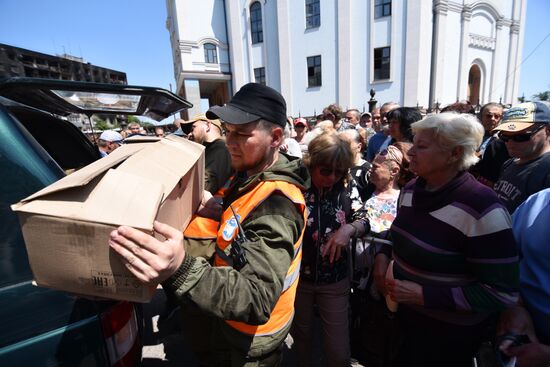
(525, 131)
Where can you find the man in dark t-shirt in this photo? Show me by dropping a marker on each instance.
(492, 152)
(217, 163)
(526, 132)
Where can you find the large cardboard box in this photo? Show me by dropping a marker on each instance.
(66, 225)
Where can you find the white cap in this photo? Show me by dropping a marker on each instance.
(111, 135)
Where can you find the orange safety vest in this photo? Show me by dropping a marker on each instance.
(204, 228)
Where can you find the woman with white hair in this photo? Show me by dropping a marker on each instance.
(454, 257)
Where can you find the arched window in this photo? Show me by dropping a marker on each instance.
(210, 53)
(474, 84)
(256, 23)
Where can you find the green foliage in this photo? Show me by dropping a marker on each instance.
(134, 119)
(101, 124)
(542, 96)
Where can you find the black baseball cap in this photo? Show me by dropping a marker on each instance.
(252, 102)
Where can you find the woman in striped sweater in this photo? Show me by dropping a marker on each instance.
(455, 261)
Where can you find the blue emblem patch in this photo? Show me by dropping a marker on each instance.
(230, 227)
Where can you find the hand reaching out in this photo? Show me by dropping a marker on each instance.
(337, 241)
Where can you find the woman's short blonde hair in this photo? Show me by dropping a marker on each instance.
(451, 130)
(329, 149)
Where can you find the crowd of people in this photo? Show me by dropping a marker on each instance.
(437, 223)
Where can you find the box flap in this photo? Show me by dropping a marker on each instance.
(164, 162)
(86, 174)
(116, 198)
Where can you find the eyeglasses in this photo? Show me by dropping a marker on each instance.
(519, 138)
(391, 153)
(325, 171)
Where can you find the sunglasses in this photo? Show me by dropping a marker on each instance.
(519, 138)
(325, 171)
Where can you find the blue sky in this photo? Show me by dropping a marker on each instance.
(130, 36)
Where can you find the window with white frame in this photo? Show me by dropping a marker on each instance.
(382, 8)
(210, 53)
(382, 63)
(313, 14)
(314, 71)
(256, 23)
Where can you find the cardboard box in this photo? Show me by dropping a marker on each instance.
(66, 225)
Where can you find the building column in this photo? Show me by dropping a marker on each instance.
(193, 95)
(285, 53)
(463, 65)
(235, 41)
(437, 79)
(344, 49)
(496, 91)
(418, 38)
(512, 63)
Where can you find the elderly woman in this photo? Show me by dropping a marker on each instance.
(324, 275)
(455, 261)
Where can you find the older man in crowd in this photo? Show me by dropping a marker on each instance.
(526, 132)
(380, 124)
(492, 152)
(109, 140)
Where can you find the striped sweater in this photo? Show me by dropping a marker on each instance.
(456, 242)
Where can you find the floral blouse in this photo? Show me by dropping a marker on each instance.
(326, 215)
(381, 213)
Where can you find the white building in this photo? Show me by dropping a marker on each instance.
(318, 52)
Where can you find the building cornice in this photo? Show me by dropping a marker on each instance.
(215, 41)
(204, 75)
(441, 7)
(186, 46)
(466, 13)
(514, 27)
(478, 41)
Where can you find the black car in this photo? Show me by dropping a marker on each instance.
(44, 327)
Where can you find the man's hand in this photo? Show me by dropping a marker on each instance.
(149, 259)
(531, 354)
(518, 321)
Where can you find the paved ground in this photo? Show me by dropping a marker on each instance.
(164, 345)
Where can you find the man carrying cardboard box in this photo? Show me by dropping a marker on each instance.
(250, 287)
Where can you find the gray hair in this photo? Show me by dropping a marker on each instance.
(451, 130)
(351, 133)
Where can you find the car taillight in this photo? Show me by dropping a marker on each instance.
(120, 329)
